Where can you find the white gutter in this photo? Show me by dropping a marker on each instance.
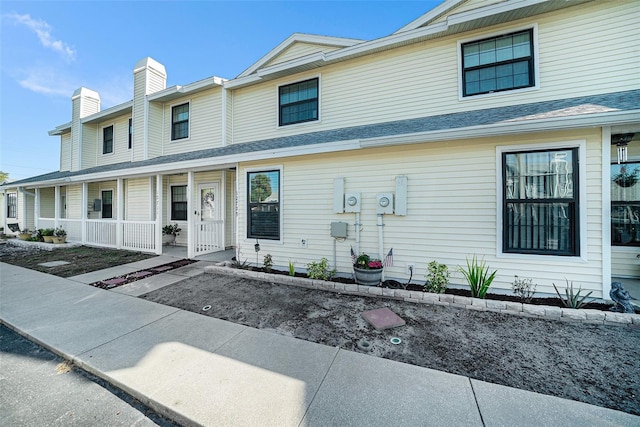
(25, 192)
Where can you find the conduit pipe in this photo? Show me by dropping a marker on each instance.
(381, 240)
(357, 226)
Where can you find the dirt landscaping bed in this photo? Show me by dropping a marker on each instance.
(596, 364)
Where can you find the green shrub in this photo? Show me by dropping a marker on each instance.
(573, 299)
(478, 277)
(292, 268)
(320, 270)
(437, 277)
(268, 262)
(524, 288)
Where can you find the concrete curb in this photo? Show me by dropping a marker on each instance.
(586, 316)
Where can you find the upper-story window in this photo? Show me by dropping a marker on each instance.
(298, 102)
(12, 205)
(498, 63)
(180, 122)
(107, 140)
(130, 133)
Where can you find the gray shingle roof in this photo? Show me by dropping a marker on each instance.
(563, 108)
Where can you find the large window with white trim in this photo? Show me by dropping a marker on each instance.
(107, 204)
(625, 204)
(179, 203)
(12, 205)
(263, 204)
(498, 63)
(540, 202)
(298, 102)
(107, 140)
(180, 122)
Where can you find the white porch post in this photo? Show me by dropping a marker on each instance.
(84, 211)
(119, 215)
(56, 204)
(191, 229)
(606, 212)
(158, 234)
(36, 208)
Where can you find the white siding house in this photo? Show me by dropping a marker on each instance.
(488, 124)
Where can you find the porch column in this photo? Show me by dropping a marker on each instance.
(119, 215)
(36, 208)
(84, 211)
(191, 229)
(158, 228)
(56, 207)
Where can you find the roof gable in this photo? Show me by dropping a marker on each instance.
(298, 45)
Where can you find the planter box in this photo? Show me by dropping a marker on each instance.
(368, 277)
(48, 239)
(59, 240)
(168, 239)
(24, 236)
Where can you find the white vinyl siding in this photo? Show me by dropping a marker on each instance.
(422, 80)
(205, 123)
(90, 145)
(47, 202)
(65, 152)
(73, 195)
(452, 210)
(138, 115)
(624, 262)
(297, 50)
(121, 151)
(155, 129)
(137, 199)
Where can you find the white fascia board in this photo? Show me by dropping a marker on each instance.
(59, 130)
(178, 91)
(242, 81)
(507, 128)
(434, 13)
(318, 57)
(109, 113)
(492, 9)
(301, 38)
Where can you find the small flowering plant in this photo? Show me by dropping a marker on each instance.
(365, 262)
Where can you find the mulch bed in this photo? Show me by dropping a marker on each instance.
(114, 282)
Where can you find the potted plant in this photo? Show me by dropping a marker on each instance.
(59, 235)
(24, 234)
(47, 235)
(169, 233)
(367, 270)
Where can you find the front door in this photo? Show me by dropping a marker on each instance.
(209, 236)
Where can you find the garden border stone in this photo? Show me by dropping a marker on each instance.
(586, 316)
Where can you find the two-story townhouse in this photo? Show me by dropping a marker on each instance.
(506, 129)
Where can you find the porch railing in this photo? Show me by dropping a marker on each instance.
(139, 235)
(208, 236)
(101, 233)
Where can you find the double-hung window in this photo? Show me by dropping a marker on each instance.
(625, 204)
(179, 203)
(498, 63)
(540, 202)
(107, 204)
(12, 205)
(180, 122)
(263, 207)
(107, 140)
(298, 102)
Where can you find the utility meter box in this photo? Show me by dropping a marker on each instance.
(384, 203)
(339, 229)
(352, 202)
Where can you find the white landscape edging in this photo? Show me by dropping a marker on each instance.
(588, 316)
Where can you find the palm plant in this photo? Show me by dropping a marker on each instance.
(478, 277)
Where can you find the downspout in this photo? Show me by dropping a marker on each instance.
(224, 116)
(380, 240)
(357, 227)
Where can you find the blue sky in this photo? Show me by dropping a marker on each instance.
(50, 48)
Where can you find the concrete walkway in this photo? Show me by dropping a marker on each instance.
(200, 370)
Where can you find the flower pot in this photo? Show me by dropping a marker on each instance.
(48, 239)
(368, 277)
(59, 240)
(24, 236)
(168, 239)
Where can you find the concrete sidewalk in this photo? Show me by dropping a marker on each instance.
(200, 370)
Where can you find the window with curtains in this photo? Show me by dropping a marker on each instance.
(180, 122)
(107, 140)
(625, 204)
(540, 202)
(107, 204)
(179, 203)
(298, 102)
(263, 207)
(12, 205)
(498, 63)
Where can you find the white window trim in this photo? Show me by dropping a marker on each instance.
(177, 104)
(247, 171)
(6, 207)
(101, 139)
(170, 202)
(582, 201)
(114, 212)
(536, 63)
(294, 81)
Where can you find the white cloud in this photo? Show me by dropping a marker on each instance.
(43, 30)
(48, 82)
